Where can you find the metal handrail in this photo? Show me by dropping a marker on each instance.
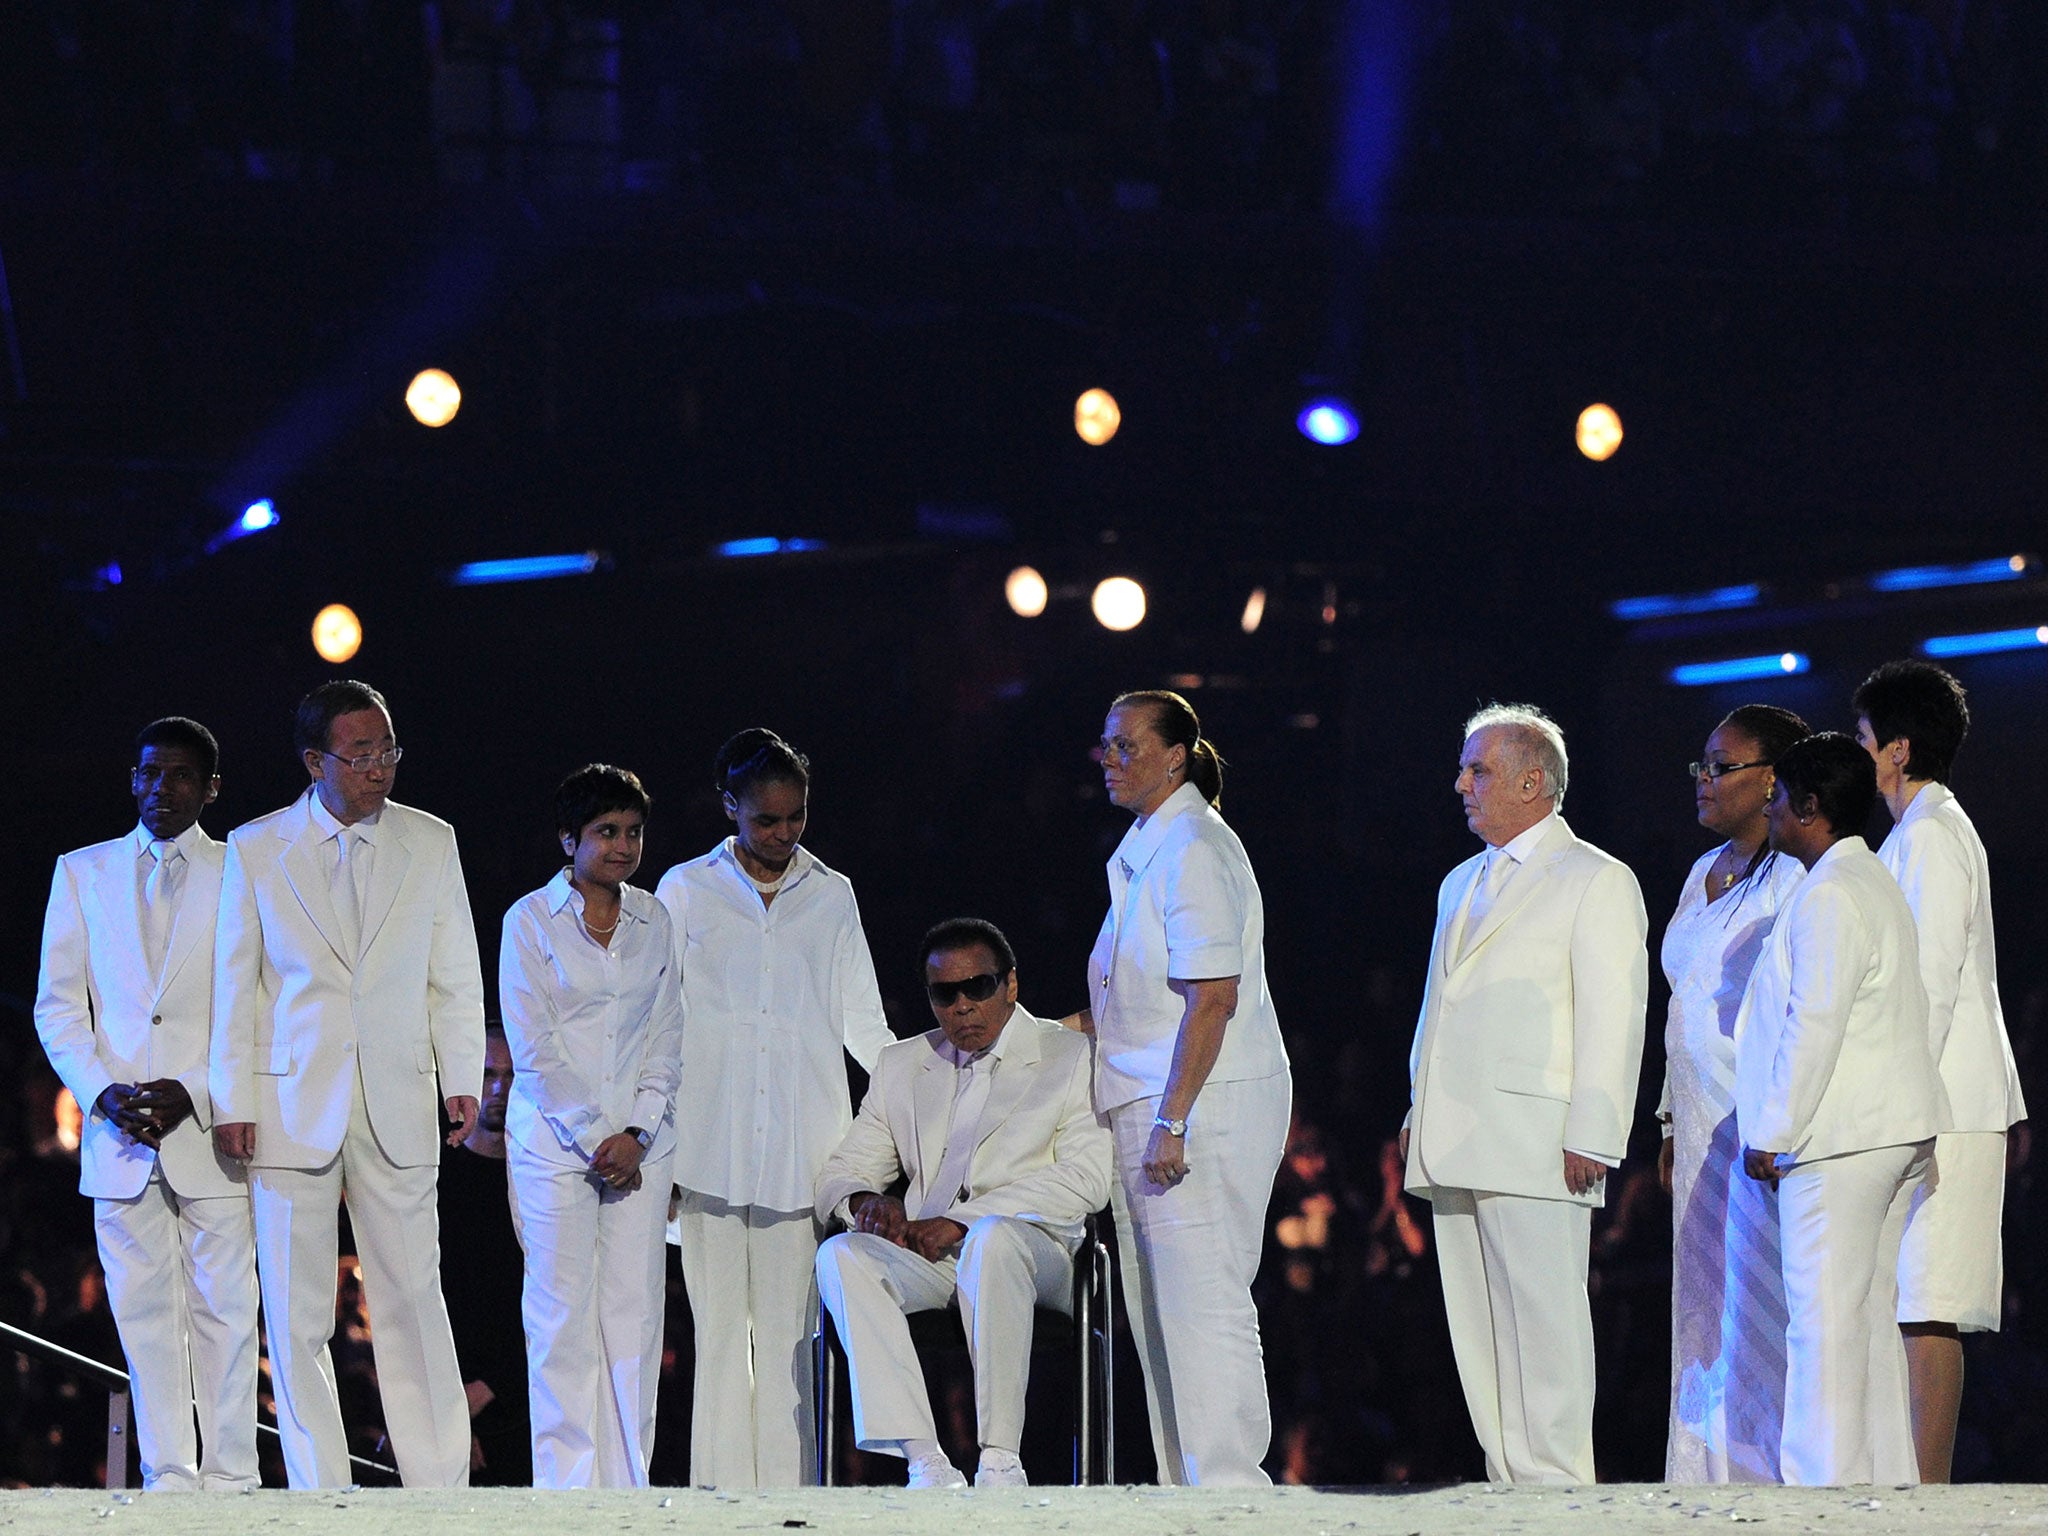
(118, 1380)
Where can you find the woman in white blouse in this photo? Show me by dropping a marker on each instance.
(593, 1013)
(778, 987)
(1191, 1072)
(1727, 1300)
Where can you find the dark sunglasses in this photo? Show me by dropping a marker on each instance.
(976, 989)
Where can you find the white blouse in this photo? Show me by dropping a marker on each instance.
(773, 998)
(594, 1030)
(1183, 906)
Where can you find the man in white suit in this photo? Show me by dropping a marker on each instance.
(123, 1007)
(1912, 718)
(1524, 1079)
(990, 1119)
(1837, 1102)
(346, 981)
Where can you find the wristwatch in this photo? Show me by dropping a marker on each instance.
(1171, 1127)
(645, 1138)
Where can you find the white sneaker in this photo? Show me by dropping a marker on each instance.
(1000, 1469)
(935, 1472)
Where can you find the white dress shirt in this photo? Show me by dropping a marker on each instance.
(1183, 906)
(1937, 858)
(774, 997)
(595, 1030)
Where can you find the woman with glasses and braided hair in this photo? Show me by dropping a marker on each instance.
(1727, 1305)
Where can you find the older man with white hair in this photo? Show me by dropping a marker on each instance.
(1523, 1079)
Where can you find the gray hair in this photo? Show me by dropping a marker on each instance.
(1538, 742)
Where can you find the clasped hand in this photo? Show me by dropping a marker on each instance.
(617, 1161)
(147, 1112)
(884, 1216)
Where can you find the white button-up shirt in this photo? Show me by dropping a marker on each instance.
(595, 1030)
(1183, 906)
(774, 996)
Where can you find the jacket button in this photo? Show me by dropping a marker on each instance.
(157, 1019)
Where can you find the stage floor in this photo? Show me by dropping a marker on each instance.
(1603, 1511)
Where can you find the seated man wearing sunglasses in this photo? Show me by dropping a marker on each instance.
(989, 1119)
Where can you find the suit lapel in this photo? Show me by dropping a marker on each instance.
(304, 873)
(121, 894)
(1519, 888)
(1452, 945)
(196, 902)
(931, 1097)
(387, 874)
(1014, 1072)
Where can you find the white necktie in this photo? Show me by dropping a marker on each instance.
(970, 1093)
(348, 904)
(1492, 876)
(160, 900)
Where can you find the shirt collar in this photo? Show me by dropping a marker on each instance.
(1851, 845)
(994, 1053)
(1523, 843)
(183, 842)
(330, 827)
(1930, 797)
(560, 893)
(800, 864)
(1143, 838)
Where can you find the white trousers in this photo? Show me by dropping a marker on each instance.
(181, 1278)
(1514, 1274)
(1188, 1256)
(1848, 1410)
(593, 1306)
(398, 1239)
(754, 1299)
(1005, 1269)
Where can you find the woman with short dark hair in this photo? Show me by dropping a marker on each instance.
(593, 1013)
(1837, 1102)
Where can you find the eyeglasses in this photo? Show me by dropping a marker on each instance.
(1719, 770)
(976, 989)
(388, 758)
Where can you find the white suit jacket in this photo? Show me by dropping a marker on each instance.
(1937, 858)
(105, 1019)
(1531, 1035)
(1831, 1047)
(1042, 1156)
(293, 1015)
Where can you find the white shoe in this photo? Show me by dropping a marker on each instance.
(1000, 1469)
(935, 1472)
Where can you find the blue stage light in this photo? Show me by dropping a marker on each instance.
(259, 515)
(740, 549)
(1632, 608)
(1919, 578)
(483, 573)
(1739, 669)
(1987, 642)
(110, 573)
(1328, 421)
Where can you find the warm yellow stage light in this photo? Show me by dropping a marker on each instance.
(1254, 611)
(1599, 432)
(1096, 417)
(433, 398)
(337, 633)
(1025, 590)
(1119, 603)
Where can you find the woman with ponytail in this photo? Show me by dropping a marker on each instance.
(778, 987)
(1192, 1075)
(1727, 1301)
